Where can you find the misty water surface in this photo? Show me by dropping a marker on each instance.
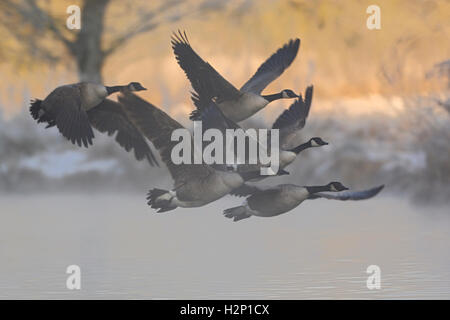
(319, 250)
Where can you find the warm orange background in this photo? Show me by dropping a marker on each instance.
(368, 70)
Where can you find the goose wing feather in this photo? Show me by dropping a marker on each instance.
(295, 116)
(210, 114)
(200, 73)
(109, 117)
(157, 126)
(272, 68)
(213, 118)
(70, 118)
(348, 195)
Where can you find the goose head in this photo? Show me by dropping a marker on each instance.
(288, 93)
(135, 86)
(313, 142)
(317, 142)
(336, 187)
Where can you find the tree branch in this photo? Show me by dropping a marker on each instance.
(125, 37)
(50, 22)
(144, 24)
(29, 12)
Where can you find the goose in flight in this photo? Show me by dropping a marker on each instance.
(273, 201)
(289, 123)
(77, 108)
(195, 185)
(236, 104)
(292, 120)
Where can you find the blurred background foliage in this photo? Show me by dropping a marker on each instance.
(382, 97)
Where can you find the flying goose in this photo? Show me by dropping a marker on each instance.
(75, 108)
(289, 123)
(280, 199)
(292, 120)
(237, 105)
(194, 184)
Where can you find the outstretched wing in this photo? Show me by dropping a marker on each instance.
(292, 120)
(348, 195)
(70, 118)
(109, 117)
(272, 68)
(210, 114)
(157, 126)
(213, 118)
(295, 116)
(203, 77)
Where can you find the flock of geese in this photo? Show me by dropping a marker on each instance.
(75, 109)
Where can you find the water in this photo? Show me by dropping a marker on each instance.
(320, 250)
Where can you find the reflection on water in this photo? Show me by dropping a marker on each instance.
(320, 250)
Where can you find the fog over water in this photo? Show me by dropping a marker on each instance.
(319, 250)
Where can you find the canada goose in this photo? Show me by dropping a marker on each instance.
(194, 184)
(237, 105)
(75, 108)
(280, 199)
(293, 119)
(289, 123)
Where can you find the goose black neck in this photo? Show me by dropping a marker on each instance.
(113, 89)
(315, 189)
(301, 147)
(272, 97)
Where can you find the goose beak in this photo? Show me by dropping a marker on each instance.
(325, 143)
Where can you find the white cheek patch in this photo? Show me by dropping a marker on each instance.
(284, 95)
(333, 188)
(314, 143)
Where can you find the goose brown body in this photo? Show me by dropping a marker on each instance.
(75, 109)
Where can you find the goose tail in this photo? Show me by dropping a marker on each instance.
(40, 115)
(160, 200)
(36, 109)
(237, 213)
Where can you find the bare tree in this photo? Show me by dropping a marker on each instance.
(29, 20)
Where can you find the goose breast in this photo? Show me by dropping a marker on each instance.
(92, 94)
(244, 107)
